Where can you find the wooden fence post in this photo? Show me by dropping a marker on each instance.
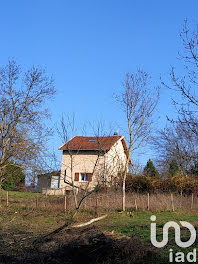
(192, 201)
(172, 202)
(136, 205)
(148, 199)
(96, 204)
(7, 198)
(65, 206)
(181, 198)
(37, 200)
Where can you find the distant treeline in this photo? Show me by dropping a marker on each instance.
(178, 184)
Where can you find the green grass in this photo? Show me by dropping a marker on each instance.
(138, 227)
(24, 195)
(19, 195)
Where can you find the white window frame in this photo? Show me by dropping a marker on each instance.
(80, 177)
(56, 180)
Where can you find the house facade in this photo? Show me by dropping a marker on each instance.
(89, 161)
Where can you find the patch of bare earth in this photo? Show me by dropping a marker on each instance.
(85, 245)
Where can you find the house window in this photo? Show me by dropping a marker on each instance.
(65, 174)
(84, 177)
(55, 182)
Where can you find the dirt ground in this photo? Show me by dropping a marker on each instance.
(85, 245)
(23, 231)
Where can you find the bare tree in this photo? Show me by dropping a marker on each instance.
(179, 142)
(22, 99)
(186, 84)
(138, 103)
(66, 130)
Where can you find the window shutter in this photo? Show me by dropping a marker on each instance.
(76, 176)
(90, 176)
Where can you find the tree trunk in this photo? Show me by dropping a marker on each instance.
(124, 186)
(73, 188)
(124, 195)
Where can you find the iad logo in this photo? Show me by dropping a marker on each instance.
(178, 256)
(177, 233)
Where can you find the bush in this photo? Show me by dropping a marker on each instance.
(14, 176)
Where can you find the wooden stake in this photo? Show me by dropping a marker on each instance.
(192, 201)
(65, 202)
(172, 202)
(136, 205)
(37, 200)
(7, 199)
(181, 196)
(96, 204)
(148, 202)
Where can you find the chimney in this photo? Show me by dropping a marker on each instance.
(115, 134)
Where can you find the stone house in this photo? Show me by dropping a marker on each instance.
(88, 161)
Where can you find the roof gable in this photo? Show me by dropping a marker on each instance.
(90, 143)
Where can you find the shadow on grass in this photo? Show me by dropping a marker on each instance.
(84, 246)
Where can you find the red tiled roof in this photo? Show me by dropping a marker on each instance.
(90, 143)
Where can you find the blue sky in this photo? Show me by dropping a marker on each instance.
(88, 46)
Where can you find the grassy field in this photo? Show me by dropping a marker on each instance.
(121, 237)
